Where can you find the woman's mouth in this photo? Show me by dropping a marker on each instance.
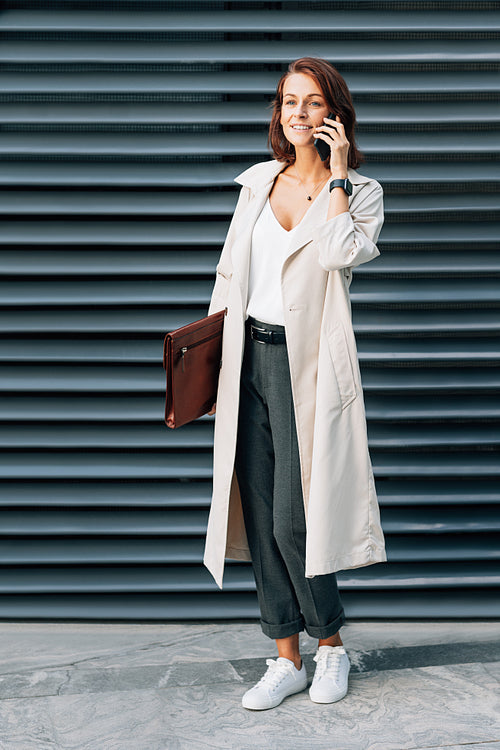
(301, 127)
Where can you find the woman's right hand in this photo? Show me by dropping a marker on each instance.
(212, 410)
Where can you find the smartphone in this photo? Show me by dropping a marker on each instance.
(323, 148)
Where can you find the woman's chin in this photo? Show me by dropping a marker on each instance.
(301, 142)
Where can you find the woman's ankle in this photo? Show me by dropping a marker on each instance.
(289, 649)
(333, 640)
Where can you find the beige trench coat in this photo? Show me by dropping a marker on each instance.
(341, 507)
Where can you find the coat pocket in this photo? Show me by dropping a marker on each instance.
(221, 288)
(342, 363)
(225, 274)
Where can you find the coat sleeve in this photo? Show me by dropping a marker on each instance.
(224, 268)
(347, 240)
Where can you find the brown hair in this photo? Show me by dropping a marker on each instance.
(338, 99)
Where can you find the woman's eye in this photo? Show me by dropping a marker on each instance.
(316, 104)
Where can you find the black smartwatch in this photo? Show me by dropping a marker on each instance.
(346, 185)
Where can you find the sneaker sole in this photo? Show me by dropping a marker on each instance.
(328, 700)
(273, 705)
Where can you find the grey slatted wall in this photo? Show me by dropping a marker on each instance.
(123, 125)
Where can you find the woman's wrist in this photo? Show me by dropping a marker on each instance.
(339, 174)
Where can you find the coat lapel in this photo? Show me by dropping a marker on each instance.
(315, 214)
(259, 178)
(240, 251)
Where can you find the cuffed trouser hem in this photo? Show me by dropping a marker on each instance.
(284, 630)
(325, 631)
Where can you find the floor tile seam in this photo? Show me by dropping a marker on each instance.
(137, 691)
(466, 745)
(118, 669)
(324, 744)
(112, 655)
(127, 651)
(68, 665)
(58, 692)
(257, 661)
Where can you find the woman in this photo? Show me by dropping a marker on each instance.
(293, 483)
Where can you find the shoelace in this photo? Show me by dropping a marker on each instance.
(275, 674)
(328, 660)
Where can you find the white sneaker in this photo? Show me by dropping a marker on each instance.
(330, 678)
(281, 679)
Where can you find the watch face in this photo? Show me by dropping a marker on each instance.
(348, 187)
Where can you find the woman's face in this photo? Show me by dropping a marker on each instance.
(303, 109)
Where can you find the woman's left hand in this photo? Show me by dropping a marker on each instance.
(333, 133)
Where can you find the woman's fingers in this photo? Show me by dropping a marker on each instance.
(333, 123)
(334, 139)
(333, 133)
(323, 136)
(212, 410)
(325, 131)
(334, 128)
(336, 125)
(330, 125)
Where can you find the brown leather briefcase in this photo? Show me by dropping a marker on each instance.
(192, 359)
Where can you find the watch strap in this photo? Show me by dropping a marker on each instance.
(346, 185)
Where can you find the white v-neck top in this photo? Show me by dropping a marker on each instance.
(270, 242)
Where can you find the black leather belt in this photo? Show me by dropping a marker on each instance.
(265, 336)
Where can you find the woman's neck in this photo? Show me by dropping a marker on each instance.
(309, 165)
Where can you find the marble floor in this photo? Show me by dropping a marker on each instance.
(93, 686)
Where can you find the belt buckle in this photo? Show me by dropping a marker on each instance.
(256, 328)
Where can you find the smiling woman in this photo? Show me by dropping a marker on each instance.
(293, 483)
(328, 91)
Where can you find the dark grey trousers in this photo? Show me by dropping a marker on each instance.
(268, 472)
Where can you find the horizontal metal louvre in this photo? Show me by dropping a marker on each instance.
(122, 127)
